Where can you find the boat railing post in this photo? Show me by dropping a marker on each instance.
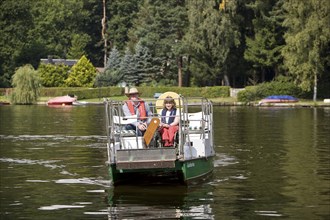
(109, 133)
(120, 114)
(203, 118)
(183, 121)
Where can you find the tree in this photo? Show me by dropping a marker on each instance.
(114, 59)
(263, 48)
(307, 38)
(26, 85)
(128, 69)
(15, 23)
(78, 45)
(160, 26)
(213, 33)
(92, 26)
(145, 68)
(33, 29)
(82, 74)
(56, 23)
(111, 74)
(121, 16)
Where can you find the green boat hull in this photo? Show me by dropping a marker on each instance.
(184, 171)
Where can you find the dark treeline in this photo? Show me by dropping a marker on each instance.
(173, 42)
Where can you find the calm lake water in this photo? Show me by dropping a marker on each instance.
(271, 163)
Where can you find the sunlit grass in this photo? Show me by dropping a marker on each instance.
(4, 98)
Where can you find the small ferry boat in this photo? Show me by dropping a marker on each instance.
(131, 157)
(62, 100)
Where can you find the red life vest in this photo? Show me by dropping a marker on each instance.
(142, 109)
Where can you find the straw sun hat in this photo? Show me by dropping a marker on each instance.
(131, 91)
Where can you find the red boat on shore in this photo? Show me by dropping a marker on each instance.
(62, 100)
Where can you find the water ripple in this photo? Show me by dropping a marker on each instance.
(56, 207)
(45, 163)
(51, 137)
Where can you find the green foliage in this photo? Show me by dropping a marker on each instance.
(216, 91)
(263, 48)
(83, 93)
(254, 93)
(62, 20)
(211, 37)
(82, 74)
(160, 27)
(78, 45)
(26, 85)
(111, 76)
(121, 15)
(211, 45)
(114, 59)
(53, 75)
(145, 69)
(208, 92)
(128, 68)
(147, 91)
(248, 95)
(15, 23)
(307, 40)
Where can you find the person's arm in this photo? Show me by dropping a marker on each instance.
(126, 110)
(176, 119)
(148, 111)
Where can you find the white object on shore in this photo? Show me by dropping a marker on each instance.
(326, 100)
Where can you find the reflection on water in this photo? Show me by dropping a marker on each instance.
(161, 202)
(270, 163)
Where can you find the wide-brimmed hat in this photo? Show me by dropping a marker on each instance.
(162, 97)
(131, 91)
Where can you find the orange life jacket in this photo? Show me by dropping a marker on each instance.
(142, 109)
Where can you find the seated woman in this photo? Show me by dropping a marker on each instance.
(169, 124)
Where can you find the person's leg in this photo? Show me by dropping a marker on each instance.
(171, 132)
(134, 128)
(130, 127)
(165, 137)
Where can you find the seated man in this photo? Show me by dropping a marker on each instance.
(137, 107)
(169, 121)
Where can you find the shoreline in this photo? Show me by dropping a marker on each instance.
(216, 102)
(250, 104)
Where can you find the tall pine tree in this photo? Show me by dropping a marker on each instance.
(128, 69)
(160, 26)
(263, 48)
(145, 68)
(212, 35)
(111, 75)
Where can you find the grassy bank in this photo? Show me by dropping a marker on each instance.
(219, 101)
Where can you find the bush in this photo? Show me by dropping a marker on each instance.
(247, 95)
(89, 93)
(53, 75)
(208, 92)
(82, 74)
(83, 93)
(254, 93)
